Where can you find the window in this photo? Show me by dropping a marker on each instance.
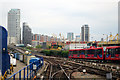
(70, 52)
(111, 52)
(91, 51)
(82, 52)
(78, 52)
(98, 51)
(75, 52)
(117, 51)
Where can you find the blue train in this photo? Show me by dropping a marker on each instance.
(28, 59)
(38, 61)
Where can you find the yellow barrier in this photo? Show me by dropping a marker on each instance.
(5, 74)
(11, 69)
(34, 78)
(2, 78)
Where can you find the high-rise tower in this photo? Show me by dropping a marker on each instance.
(14, 30)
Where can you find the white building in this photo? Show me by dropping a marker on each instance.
(14, 30)
(76, 46)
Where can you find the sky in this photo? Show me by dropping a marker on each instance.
(63, 16)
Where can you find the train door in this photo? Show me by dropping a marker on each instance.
(82, 53)
(99, 53)
(75, 53)
(86, 53)
(96, 52)
(117, 52)
(91, 53)
(78, 53)
(112, 53)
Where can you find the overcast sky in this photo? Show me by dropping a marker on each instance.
(62, 16)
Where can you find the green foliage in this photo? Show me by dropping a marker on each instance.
(29, 48)
(47, 52)
(65, 53)
(48, 47)
(57, 53)
(39, 46)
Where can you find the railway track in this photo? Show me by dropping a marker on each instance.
(92, 68)
(54, 70)
(77, 65)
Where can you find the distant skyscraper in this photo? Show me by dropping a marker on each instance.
(119, 19)
(27, 34)
(14, 30)
(70, 36)
(78, 38)
(85, 33)
(102, 39)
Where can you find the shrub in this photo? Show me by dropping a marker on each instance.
(65, 53)
(39, 46)
(47, 52)
(55, 53)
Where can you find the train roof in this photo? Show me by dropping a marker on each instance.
(86, 48)
(112, 47)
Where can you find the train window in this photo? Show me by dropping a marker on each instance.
(70, 52)
(99, 51)
(86, 53)
(74, 52)
(91, 51)
(117, 51)
(82, 52)
(111, 52)
(78, 52)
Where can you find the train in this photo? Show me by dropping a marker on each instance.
(111, 53)
(25, 58)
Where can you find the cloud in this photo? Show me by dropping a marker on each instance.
(55, 16)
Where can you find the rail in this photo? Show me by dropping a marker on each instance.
(27, 72)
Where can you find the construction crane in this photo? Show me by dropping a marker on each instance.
(112, 38)
(109, 37)
(115, 37)
(62, 37)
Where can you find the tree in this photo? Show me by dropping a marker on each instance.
(39, 46)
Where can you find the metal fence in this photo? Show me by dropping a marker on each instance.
(27, 72)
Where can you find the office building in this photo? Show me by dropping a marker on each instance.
(14, 30)
(85, 33)
(27, 34)
(78, 38)
(119, 19)
(70, 36)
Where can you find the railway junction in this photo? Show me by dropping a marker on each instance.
(36, 66)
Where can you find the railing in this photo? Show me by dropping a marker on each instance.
(27, 72)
